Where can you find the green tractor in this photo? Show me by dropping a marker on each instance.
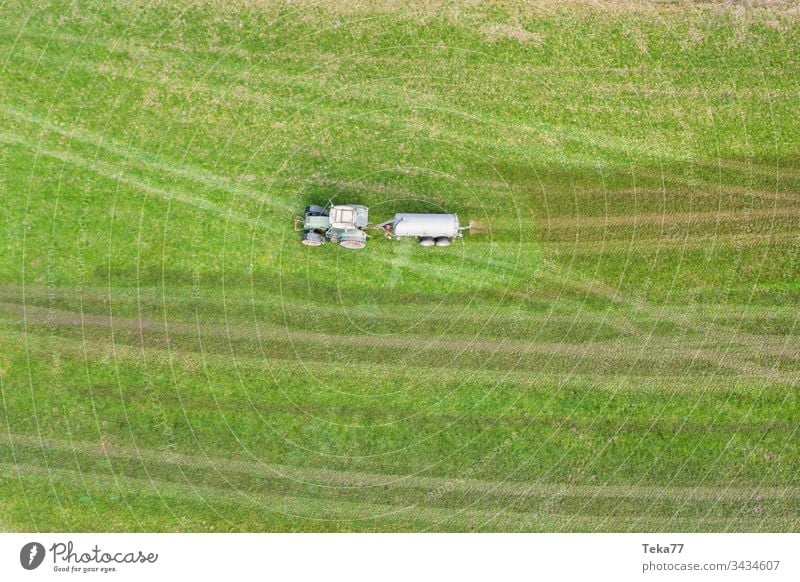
(341, 223)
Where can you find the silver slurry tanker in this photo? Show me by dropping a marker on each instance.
(431, 229)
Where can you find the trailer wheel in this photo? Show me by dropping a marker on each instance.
(426, 241)
(442, 241)
(353, 244)
(312, 239)
(314, 210)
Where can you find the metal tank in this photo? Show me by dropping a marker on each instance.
(426, 225)
(431, 229)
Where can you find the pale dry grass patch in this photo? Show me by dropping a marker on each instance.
(495, 32)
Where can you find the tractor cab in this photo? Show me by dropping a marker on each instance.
(349, 216)
(342, 223)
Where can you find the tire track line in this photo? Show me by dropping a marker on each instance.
(192, 361)
(716, 357)
(440, 518)
(114, 173)
(651, 244)
(612, 348)
(331, 478)
(670, 218)
(146, 160)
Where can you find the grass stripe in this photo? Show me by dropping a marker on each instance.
(327, 478)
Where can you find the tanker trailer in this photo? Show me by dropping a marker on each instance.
(430, 229)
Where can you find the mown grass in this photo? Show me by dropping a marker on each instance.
(616, 351)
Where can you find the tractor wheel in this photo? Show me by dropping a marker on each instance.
(314, 210)
(442, 241)
(312, 239)
(353, 244)
(426, 241)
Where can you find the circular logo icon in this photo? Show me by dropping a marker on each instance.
(31, 555)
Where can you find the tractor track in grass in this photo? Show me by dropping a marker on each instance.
(563, 310)
(265, 332)
(112, 299)
(288, 309)
(305, 508)
(144, 160)
(192, 361)
(148, 161)
(112, 172)
(655, 244)
(588, 137)
(725, 358)
(239, 299)
(330, 478)
(195, 398)
(410, 517)
(721, 356)
(668, 218)
(695, 187)
(170, 342)
(665, 197)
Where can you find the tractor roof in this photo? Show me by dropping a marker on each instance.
(349, 216)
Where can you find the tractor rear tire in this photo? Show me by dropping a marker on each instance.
(353, 244)
(312, 239)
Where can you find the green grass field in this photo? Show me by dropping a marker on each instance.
(617, 351)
